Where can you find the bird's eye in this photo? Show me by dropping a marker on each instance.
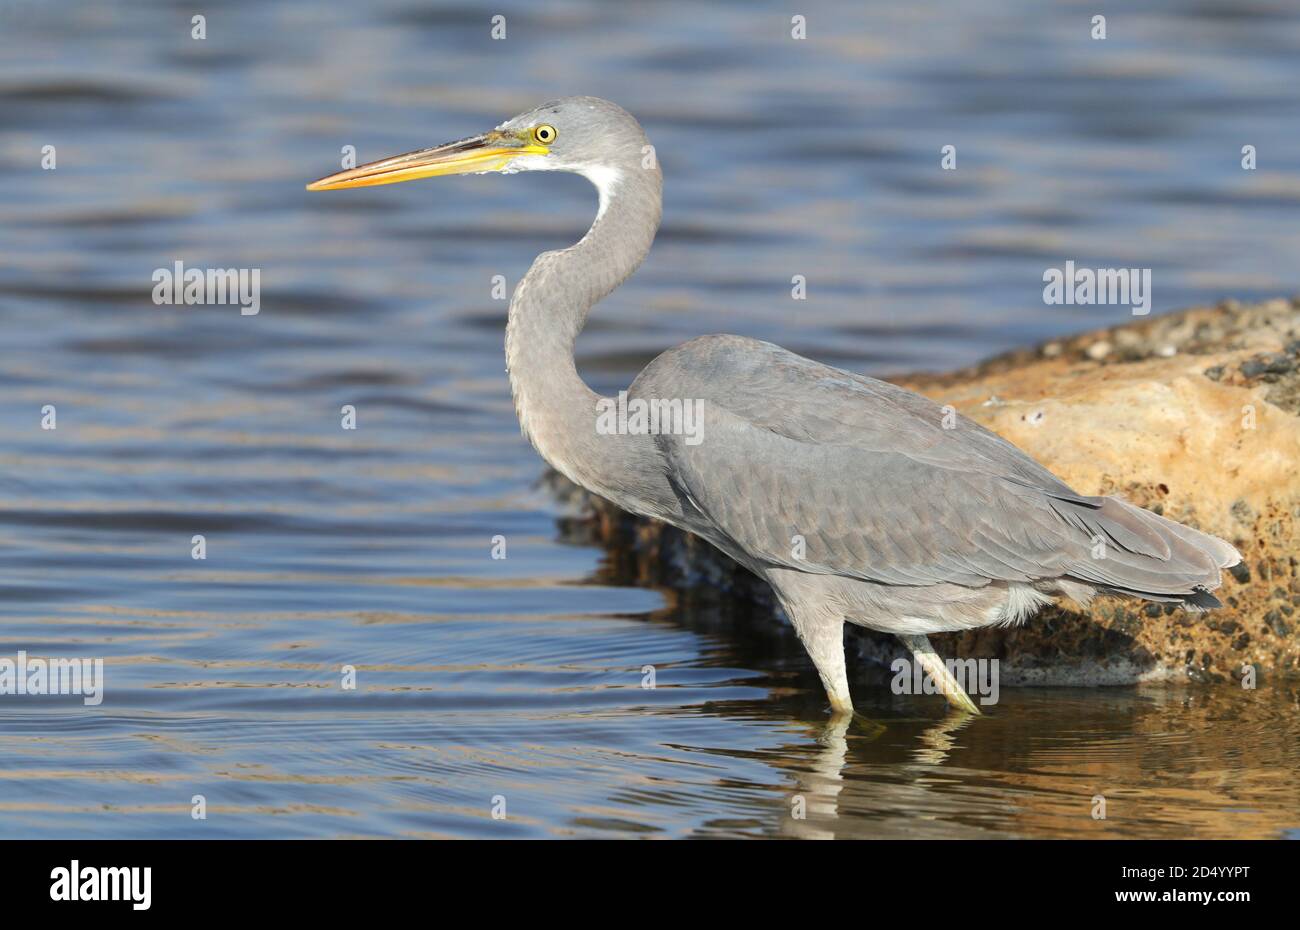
(544, 134)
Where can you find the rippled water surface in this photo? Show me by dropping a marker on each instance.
(522, 677)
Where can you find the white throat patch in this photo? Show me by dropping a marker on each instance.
(607, 180)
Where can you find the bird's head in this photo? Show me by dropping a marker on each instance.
(584, 135)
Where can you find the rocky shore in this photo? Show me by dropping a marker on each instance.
(1195, 415)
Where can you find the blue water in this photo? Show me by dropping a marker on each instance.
(520, 679)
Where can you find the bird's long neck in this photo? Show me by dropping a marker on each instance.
(556, 409)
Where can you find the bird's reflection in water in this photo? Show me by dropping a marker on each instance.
(1171, 760)
(817, 790)
(814, 810)
(937, 741)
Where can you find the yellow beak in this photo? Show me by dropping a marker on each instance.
(489, 152)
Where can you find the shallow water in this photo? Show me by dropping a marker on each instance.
(521, 677)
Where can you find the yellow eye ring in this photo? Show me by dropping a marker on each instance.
(544, 134)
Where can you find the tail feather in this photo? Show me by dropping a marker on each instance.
(1121, 525)
(1147, 555)
(1203, 600)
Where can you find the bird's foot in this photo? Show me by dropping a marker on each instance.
(862, 725)
(961, 702)
(844, 721)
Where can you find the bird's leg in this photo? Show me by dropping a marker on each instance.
(930, 660)
(822, 634)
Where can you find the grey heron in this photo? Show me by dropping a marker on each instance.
(852, 497)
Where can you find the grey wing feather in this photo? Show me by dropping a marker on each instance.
(878, 489)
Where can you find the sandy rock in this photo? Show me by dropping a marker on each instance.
(1195, 415)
